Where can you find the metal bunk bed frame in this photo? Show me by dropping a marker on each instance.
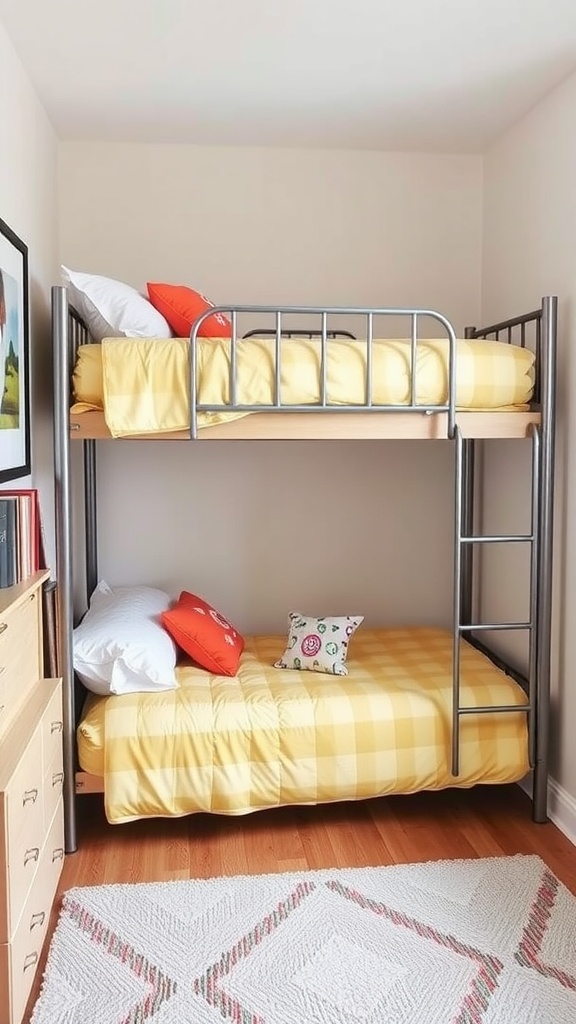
(69, 332)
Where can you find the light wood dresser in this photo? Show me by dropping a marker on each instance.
(31, 780)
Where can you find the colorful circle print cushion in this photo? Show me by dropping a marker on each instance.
(319, 645)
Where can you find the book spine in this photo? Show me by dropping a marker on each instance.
(8, 542)
(3, 542)
(11, 543)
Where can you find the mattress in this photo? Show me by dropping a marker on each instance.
(142, 384)
(270, 737)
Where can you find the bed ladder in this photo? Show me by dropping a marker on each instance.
(464, 625)
(536, 683)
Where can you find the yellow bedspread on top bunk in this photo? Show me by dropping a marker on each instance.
(143, 384)
(270, 737)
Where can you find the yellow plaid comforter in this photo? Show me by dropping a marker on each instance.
(142, 384)
(269, 737)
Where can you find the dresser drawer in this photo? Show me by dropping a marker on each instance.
(52, 726)
(21, 623)
(19, 958)
(24, 831)
(20, 653)
(5, 712)
(31, 792)
(53, 787)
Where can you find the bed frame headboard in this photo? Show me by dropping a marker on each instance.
(525, 330)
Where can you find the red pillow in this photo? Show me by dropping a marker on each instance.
(181, 306)
(204, 634)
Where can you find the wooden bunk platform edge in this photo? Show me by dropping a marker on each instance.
(331, 426)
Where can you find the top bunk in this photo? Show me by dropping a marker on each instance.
(308, 372)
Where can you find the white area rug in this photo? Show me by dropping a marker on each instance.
(449, 942)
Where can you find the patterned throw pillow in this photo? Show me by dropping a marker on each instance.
(319, 645)
(203, 633)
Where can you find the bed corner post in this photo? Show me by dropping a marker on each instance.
(63, 516)
(547, 357)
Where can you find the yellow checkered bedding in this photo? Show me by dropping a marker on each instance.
(269, 737)
(143, 384)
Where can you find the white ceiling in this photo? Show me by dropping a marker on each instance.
(430, 75)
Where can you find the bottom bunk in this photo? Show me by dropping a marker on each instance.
(269, 737)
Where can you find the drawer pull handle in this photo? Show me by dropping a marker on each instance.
(37, 919)
(2, 669)
(55, 727)
(57, 778)
(30, 961)
(32, 854)
(3, 627)
(58, 854)
(30, 796)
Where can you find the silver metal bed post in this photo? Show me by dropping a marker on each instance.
(459, 502)
(468, 483)
(547, 365)
(63, 513)
(91, 518)
(467, 574)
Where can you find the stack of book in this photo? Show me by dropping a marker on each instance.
(21, 540)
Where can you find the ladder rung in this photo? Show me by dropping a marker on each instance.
(488, 710)
(514, 538)
(494, 625)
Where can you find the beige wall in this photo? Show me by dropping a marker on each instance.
(266, 528)
(273, 225)
(28, 194)
(529, 250)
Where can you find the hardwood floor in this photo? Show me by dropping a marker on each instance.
(482, 822)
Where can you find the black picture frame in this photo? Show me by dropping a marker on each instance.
(14, 357)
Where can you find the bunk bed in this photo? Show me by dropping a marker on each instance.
(511, 712)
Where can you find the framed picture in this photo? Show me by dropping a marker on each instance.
(14, 357)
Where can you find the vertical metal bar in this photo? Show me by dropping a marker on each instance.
(451, 382)
(538, 365)
(547, 346)
(458, 503)
(369, 354)
(413, 354)
(194, 382)
(467, 555)
(63, 516)
(533, 636)
(90, 517)
(323, 365)
(233, 353)
(278, 359)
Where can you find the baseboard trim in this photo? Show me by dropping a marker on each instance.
(561, 806)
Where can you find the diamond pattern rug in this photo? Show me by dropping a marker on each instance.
(450, 942)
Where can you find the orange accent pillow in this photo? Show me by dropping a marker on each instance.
(181, 306)
(204, 634)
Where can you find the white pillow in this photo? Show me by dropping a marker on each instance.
(319, 644)
(120, 646)
(111, 309)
